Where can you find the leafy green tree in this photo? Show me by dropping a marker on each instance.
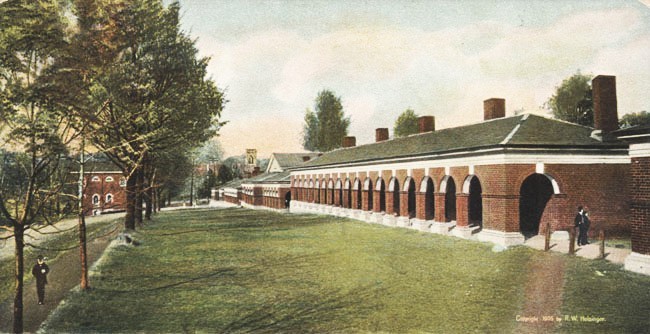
(324, 129)
(225, 174)
(210, 181)
(32, 35)
(406, 124)
(572, 100)
(149, 95)
(633, 119)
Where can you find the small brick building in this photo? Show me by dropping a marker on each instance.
(104, 188)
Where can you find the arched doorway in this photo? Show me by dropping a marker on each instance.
(535, 192)
(475, 201)
(367, 187)
(330, 188)
(393, 187)
(317, 190)
(339, 193)
(409, 186)
(427, 188)
(357, 189)
(381, 187)
(348, 190)
(449, 186)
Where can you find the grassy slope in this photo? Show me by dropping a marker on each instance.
(238, 270)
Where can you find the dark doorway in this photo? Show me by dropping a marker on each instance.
(450, 200)
(429, 204)
(536, 191)
(411, 197)
(370, 191)
(475, 203)
(395, 196)
(357, 187)
(382, 195)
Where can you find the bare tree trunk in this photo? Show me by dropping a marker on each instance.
(139, 173)
(19, 273)
(129, 218)
(148, 201)
(84, 284)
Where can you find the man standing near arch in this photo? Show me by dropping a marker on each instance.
(582, 223)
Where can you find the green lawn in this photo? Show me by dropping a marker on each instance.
(239, 270)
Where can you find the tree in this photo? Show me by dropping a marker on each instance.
(205, 190)
(325, 129)
(149, 95)
(32, 35)
(633, 119)
(572, 100)
(406, 124)
(225, 174)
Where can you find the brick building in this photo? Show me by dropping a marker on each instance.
(502, 180)
(104, 188)
(269, 190)
(639, 140)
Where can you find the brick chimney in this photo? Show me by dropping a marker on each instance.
(381, 134)
(349, 141)
(604, 97)
(494, 108)
(426, 124)
(256, 171)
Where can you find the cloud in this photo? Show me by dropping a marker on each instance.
(272, 76)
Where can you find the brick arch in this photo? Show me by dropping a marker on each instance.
(536, 193)
(356, 185)
(380, 187)
(425, 182)
(357, 199)
(367, 195)
(410, 189)
(426, 199)
(473, 188)
(555, 180)
(447, 183)
(338, 184)
(392, 202)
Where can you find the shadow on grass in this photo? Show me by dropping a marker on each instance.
(305, 313)
(216, 274)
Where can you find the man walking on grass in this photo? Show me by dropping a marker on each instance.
(40, 271)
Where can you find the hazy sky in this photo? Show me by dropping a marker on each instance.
(440, 58)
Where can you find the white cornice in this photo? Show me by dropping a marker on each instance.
(497, 158)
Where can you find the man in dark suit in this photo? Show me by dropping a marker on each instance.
(582, 223)
(40, 271)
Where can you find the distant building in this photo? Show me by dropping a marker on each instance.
(104, 188)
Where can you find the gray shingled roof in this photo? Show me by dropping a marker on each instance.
(516, 131)
(288, 160)
(278, 177)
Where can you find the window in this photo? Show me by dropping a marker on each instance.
(109, 198)
(96, 200)
(95, 179)
(122, 182)
(109, 179)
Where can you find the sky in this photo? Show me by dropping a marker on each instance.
(440, 58)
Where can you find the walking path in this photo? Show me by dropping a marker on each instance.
(47, 232)
(65, 274)
(590, 251)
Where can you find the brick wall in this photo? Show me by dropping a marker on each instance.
(640, 204)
